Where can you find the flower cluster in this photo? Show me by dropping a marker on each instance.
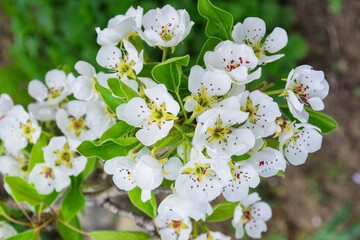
(217, 139)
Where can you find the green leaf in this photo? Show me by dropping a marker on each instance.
(112, 235)
(116, 131)
(22, 191)
(169, 72)
(169, 140)
(272, 143)
(28, 235)
(219, 22)
(89, 168)
(209, 45)
(222, 211)
(108, 149)
(128, 91)
(147, 70)
(67, 233)
(109, 99)
(240, 158)
(37, 155)
(3, 209)
(149, 207)
(319, 119)
(74, 200)
(114, 86)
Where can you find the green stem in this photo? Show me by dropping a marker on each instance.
(172, 149)
(48, 135)
(182, 105)
(191, 119)
(138, 148)
(71, 227)
(185, 151)
(279, 91)
(165, 50)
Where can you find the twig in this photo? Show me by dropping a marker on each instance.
(71, 227)
(25, 213)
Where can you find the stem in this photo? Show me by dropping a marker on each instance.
(185, 152)
(172, 149)
(165, 50)
(16, 221)
(182, 105)
(191, 119)
(71, 227)
(49, 135)
(275, 92)
(25, 213)
(40, 210)
(138, 148)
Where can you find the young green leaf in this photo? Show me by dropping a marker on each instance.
(169, 72)
(37, 155)
(22, 191)
(67, 233)
(219, 22)
(128, 91)
(222, 211)
(113, 235)
(114, 86)
(117, 130)
(110, 100)
(73, 201)
(149, 207)
(28, 235)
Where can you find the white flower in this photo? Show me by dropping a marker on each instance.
(176, 208)
(62, 153)
(120, 26)
(252, 31)
(173, 230)
(298, 141)
(243, 176)
(84, 86)
(148, 175)
(263, 112)
(165, 27)
(154, 115)
(13, 165)
(18, 128)
(6, 103)
(42, 111)
(197, 180)
(206, 88)
(6, 230)
(215, 131)
(308, 87)
(213, 236)
(253, 214)
(82, 121)
(171, 168)
(46, 178)
(57, 87)
(130, 64)
(268, 162)
(235, 59)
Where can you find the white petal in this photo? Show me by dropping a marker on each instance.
(136, 111)
(108, 56)
(195, 78)
(82, 88)
(261, 210)
(172, 167)
(55, 78)
(276, 40)
(38, 90)
(254, 29)
(255, 227)
(85, 68)
(316, 103)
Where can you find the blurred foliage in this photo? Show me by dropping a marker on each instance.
(49, 33)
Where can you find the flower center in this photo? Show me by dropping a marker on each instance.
(54, 93)
(27, 130)
(257, 46)
(204, 102)
(124, 67)
(166, 34)
(77, 125)
(200, 171)
(218, 132)
(246, 215)
(300, 91)
(177, 226)
(252, 110)
(65, 156)
(48, 172)
(159, 115)
(229, 66)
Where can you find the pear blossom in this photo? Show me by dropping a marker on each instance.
(206, 87)
(235, 59)
(121, 65)
(83, 121)
(46, 178)
(84, 86)
(165, 27)
(42, 111)
(252, 31)
(252, 213)
(177, 208)
(148, 175)
(263, 112)
(243, 176)
(14, 164)
(213, 236)
(154, 114)
(197, 180)
(171, 168)
(6, 230)
(215, 130)
(6, 103)
(57, 87)
(305, 87)
(120, 26)
(268, 162)
(172, 229)
(61, 152)
(18, 128)
(298, 141)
